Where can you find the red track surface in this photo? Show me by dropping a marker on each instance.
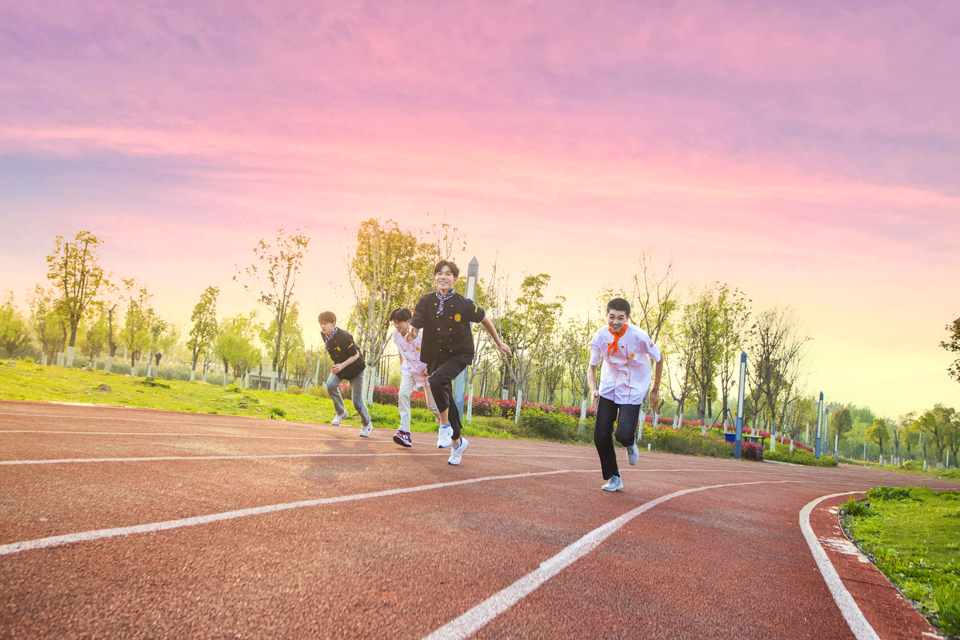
(724, 562)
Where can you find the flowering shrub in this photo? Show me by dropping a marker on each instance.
(386, 395)
(751, 451)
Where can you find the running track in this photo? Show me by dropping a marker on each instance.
(136, 523)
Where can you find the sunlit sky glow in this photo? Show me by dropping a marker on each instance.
(807, 153)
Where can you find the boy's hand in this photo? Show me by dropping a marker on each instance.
(412, 334)
(594, 398)
(336, 368)
(655, 400)
(504, 349)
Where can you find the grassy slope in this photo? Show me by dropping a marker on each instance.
(910, 468)
(26, 381)
(915, 542)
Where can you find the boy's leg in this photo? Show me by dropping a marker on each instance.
(333, 390)
(431, 403)
(407, 384)
(356, 392)
(441, 384)
(603, 437)
(627, 424)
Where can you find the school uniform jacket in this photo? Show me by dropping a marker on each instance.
(341, 346)
(449, 334)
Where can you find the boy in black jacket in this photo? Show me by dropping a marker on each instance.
(447, 348)
(348, 364)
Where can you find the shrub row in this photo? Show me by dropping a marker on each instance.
(800, 456)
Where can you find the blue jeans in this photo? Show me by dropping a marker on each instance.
(356, 391)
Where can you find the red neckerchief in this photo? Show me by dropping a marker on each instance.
(616, 338)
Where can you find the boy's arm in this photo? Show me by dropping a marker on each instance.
(337, 368)
(592, 382)
(503, 348)
(655, 389)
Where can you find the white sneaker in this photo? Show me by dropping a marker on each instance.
(365, 432)
(613, 484)
(633, 454)
(456, 453)
(445, 437)
(340, 418)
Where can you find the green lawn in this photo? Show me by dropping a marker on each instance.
(913, 536)
(912, 468)
(28, 381)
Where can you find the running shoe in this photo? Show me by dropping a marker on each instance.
(456, 453)
(445, 437)
(365, 432)
(613, 484)
(340, 418)
(402, 438)
(633, 454)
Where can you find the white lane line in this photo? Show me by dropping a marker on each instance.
(98, 534)
(474, 619)
(169, 435)
(184, 418)
(279, 455)
(848, 606)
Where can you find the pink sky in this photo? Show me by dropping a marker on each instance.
(805, 153)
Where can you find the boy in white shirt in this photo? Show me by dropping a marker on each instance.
(625, 350)
(413, 374)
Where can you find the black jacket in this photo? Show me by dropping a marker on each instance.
(448, 334)
(341, 346)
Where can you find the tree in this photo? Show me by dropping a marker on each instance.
(777, 357)
(900, 431)
(278, 266)
(701, 329)
(841, 422)
(46, 321)
(14, 334)
(654, 295)
(204, 331)
(733, 313)
(878, 433)
(953, 344)
(390, 268)
(291, 343)
(236, 345)
(576, 352)
(138, 321)
(96, 334)
(527, 327)
(76, 275)
(937, 423)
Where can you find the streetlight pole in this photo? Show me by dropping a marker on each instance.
(738, 441)
(460, 385)
(816, 446)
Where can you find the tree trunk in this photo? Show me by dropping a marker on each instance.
(107, 367)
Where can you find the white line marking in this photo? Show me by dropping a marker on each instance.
(98, 534)
(848, 606)
(442, 453)
(474, 619)
(169, 435)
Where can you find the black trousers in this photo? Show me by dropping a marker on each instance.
(627, 417)
(442, 374)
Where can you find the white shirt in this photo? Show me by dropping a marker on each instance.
(626, 374)
(410, 364)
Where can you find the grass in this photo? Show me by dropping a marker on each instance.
(913, 536)
(912, 468)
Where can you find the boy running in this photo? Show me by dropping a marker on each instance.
(447, 348)
(624, 381)
(348, 364)
(413, 374)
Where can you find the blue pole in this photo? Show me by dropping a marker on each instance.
(816, 446)
(460, 384)
(738, 442)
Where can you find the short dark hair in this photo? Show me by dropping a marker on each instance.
(400, 315)
(447, 263)
(619, 304)
(328, 316)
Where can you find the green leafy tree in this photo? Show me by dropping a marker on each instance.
(290, 345)
(576, 352)
(236, 344)
(75, 273)
(937, 424)
(841, 421)
(47, 322)
(14, 333)
(138, 321)
(777, 350)
(96, 333)
(276, 268)
(953, 345)
(701, 331)
(900, 432)
(390, 268)
(878, 433)
(204, 331)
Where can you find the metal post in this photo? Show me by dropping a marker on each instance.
(816, 445)
(470, 293)
(738, 441)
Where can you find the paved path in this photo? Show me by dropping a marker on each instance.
(135, 523)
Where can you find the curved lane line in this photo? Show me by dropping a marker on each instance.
(99, 534)
(373, 454)
(848, 606)
(474, 619)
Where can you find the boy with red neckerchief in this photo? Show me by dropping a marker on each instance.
(625, 350)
